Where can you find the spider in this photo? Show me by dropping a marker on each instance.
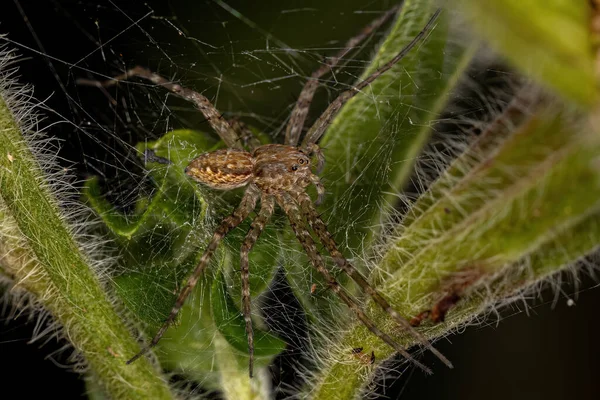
(279, 174)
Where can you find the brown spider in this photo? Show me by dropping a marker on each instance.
(279, 173)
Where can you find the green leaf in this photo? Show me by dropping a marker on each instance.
(151, 293)
(548, 40)
(161, 243)
(372, 145)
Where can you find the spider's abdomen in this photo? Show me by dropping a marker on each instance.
(222, 169)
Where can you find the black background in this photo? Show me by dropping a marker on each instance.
(549, 353)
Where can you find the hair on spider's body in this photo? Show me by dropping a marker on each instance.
(279, 174)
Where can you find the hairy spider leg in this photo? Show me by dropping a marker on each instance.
(212, 115)
(296, 122)
(322, 123)
(319, 227)
(246, 206)
(245, 134)
(267, 206)
(287, 203)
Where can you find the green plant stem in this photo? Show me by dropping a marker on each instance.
(523, 213)
(41, 254)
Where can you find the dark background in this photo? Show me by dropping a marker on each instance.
(547, 353)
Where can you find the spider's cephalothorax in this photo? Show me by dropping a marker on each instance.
(281, 168)
(279, 174)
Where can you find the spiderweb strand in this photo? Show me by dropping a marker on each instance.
(256, 228)
(319, 227)
(294, 127)
(246, 206)
(287, 203)
(212, 115)
(316, 131)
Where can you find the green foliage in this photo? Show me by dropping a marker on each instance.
(374, 142)
(39, 252)
(518, 205)
(161, 244)
(506, 221)
(549, 41)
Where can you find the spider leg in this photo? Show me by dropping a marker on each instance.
(318, 226)
(300, 111)
(266, 210)
(316, 131)
(241, 213)
(287, 203)
(245, 134)
(212, 115)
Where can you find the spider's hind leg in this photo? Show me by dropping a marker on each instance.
(212, 115)
(288, 204)
(266, 210)
(319, 227)
(240, 214)
(245, 134)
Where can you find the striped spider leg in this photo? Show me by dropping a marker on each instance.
(225, 131)
(277, 173)
(288, 204)
(310, 147)
(295, 124)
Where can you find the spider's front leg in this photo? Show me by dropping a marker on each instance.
(322, 123)
(300, 111)
(314, 150)
(212, 115)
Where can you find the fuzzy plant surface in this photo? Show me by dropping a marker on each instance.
(514, 205)
(43, 254)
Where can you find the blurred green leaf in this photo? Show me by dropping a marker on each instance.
(548, 40)
(514, 216)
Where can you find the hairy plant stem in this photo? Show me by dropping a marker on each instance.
(40, 253)
(522, 213)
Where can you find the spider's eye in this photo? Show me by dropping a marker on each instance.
(294, 167)
(301, 160)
